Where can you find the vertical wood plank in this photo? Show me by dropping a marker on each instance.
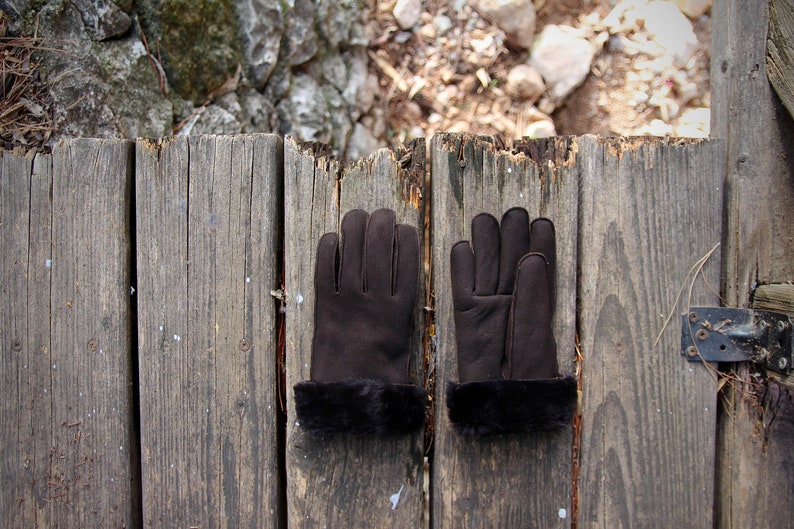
(25, 430)
(93, 480)
(517, 480)
(345, 480)
(755, 461)
(649, 210)
(208, 218)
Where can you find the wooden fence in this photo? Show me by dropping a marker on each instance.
(157, 308)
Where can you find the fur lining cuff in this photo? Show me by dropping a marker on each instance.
(505, 406)
(359, 406)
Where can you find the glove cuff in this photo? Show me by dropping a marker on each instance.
(359, 406)
(491, 407)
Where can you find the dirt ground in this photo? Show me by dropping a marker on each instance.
(456, 81)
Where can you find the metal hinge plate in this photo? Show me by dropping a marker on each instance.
(721, 334)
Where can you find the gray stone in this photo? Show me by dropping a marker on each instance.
(301, 33)
(139, 107)
(304, 112)
(515, 17)
(407, 13)
(562, 58)
(362, 143)
(340, 22)
(102, 18)
(211, 119)
(261, 29)
(258, 112)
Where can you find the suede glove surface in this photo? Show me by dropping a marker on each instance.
(503, 293)
(365, 300)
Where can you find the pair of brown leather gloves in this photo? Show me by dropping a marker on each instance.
(503, 297)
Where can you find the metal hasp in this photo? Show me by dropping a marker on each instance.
(721, 334)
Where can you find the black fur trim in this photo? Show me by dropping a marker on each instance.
(505, 406)
(359, 406)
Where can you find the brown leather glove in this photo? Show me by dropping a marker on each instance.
(364, 310)
(503, 297)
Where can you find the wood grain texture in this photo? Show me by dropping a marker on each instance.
(208, 223)
(754, 471)
(649, 210)
(345, 480)
(25, 369)
(93, 480)
(779, 51)
(516, 480)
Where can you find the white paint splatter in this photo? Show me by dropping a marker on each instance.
(48, 263)
(395, 498)
(177, 338)
(299, 299)
(247, 279)
(563, 514)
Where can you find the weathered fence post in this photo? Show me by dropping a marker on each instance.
(755, 481)
(67, 347)
(650, 209)
(208, 223)
(345, 480)
(517, 480)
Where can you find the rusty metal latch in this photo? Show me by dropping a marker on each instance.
(722, 334)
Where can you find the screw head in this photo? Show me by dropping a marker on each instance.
(245, 345)
(702, 334)
(693, 317)
(782, 363)
(691, 351)
(92, 346)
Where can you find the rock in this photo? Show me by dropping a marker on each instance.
(198, 41)
(362, 143)
(407, 13)
(138, 104)
(515, 17)
(261, 29)
(562, 58)
(258, 112)
(525, 82)
(540, 129)
(304, 112)
(340, 22)
(442, 24)
(211, 119)
(301, 33)
(694, 123)
(694, 9)
(102, 18)
(671, 30)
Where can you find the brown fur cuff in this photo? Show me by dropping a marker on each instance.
(359, 406)
(505, 406)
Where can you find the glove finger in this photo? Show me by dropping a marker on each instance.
(486, 241)
(380, 248)
(406, 273)
(325, 268)
(515, 245)
(542, 240)
(461, 263)
(354, 225)
(531, 349)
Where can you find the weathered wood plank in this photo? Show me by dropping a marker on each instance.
(93, 480)
(25, 431)
(780, 53)
(754, 462)
(650, 209)
(518, 480)
(208, 222)
(344, 480)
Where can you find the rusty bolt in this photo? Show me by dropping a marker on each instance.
(245, 345)
(92, 346)
(702, 334)
(17, 345)
(691, 351)
(693, 317)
